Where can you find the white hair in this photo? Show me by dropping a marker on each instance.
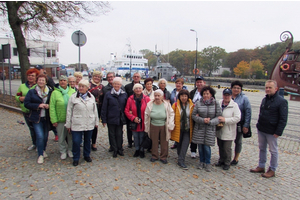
(160, 80)
(117, 79)
(159, 91)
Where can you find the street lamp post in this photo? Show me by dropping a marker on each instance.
(195, 66)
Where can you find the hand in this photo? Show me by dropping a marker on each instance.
(130, 112)
(221, 119)
(206, 120)
(46, 106)
(104, 124)
(21, 99)
(197, 115)
(276, 136)
(136, 120)
(69, 130)
(54, 124)
(41, 105)
(96, 126)
(245, 130)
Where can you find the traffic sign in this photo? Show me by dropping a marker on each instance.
(79, 38)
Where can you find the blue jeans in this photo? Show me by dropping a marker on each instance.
(204, 153)
(41, 132)
(30, 126)
(138, 140)
(77, 138)
(265, 139)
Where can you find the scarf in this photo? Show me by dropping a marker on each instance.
(209, 101)
(83, 96)
(97, 84)
(65, 95)
(183, 119)
(116, 92)
(138, 107)
(150, 93)
(43, 94)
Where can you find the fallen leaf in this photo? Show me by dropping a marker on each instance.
(116, 187)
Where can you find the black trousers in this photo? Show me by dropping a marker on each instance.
(94, 135)
(115, 136)
(193, 147)
(129, 133)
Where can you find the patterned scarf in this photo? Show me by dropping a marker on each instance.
(209, 101)
(65, 95)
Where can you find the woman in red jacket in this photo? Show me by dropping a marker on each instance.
(135, 112)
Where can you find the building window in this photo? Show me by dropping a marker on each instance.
(28, 52)
(48, 53)
(53, 53)
(15, 51)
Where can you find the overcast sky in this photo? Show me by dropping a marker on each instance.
(229, 25)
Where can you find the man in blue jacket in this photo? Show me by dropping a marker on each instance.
(271, 123)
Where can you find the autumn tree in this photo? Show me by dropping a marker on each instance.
(256, 68)
(44, 17)
(233, 58)
(211, 58)
(242, 69)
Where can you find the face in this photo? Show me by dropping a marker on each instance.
(72, 82)
(200, 84)
(148, 85)
(138, 91)
(82, 89)
(41, 82)
(31, 78)
(78, 78)
(157, 97)
(117, 85)
(270, 88)
(162, 85)
(206, 95)
(136, 78)
(184, 98)
(110, 78)
(178, 86)
(236, 89)
(97, 78)
(227, 97)
(63, 84)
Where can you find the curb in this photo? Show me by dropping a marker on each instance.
(18, 110)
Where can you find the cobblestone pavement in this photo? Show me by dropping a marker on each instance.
(135, 178)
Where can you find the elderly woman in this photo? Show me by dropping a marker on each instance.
(78, 76)
(162, 84)
(72, 82)
(135, 112)
(113, 115)
(58, 113)
(37, 101)
(244, 125)
(159, 122)
(183, 130)
(82, 118)
(206, 113)
(20, 96)
(231, 115)
(149, 88)
(96, 89)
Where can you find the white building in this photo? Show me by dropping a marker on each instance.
(219, 71)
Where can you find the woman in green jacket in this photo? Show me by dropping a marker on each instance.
(58, 111)
(20, 96)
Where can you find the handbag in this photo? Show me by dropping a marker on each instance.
(248, 134)
(132, 125)
(220, 125)
(147, 142)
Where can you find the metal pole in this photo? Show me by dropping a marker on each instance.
(79, 49)
(130, 62)
(195, 66)
(3, 75)
(9, 78)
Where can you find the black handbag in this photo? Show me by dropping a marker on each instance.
(248, 134)
(147, 142)
(132, 125)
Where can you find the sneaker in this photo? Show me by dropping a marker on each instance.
(63, 156)
(45, 154)
(70, 154)
(208, 167)
(56, 138)
(40, 159)
(31, 147)
(201, 165)
(193, 155)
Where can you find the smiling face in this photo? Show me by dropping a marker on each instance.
(227, 98)
(82, 88)
(207, 95)
(270, 88)
(200, 84)
(117, 85)
(184, 98)
(148, 85)
(236, 89)
(63, 84)
(136, 78)
(97, 79)
(78, 78)
(72, 81)
(162, 85)
(110, 77)
(31, 78)
(178, 85)
(41, 82)
(157, 98)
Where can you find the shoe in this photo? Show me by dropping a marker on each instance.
(40, 160)
(193, 155)
(142, 154)
(129, 146)
(226, 167)
(201, 165)
(45, 154)
(164, 161)
(63, 156)
(110, 149)
(149, 150)
(208, 167)
(56, 138)
(88, 159)
(258, 170)
(70, 154)
(219, 164)
(75, 163)
(153, 159)
(174, 146)
(31, 147)
(268, 174)
(234, 162)
(120, 152)
(136, 153)
(183, 166)
(115, 154)
(93, 148)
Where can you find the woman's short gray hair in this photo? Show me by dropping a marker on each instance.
(160, 80)
(159, 91)
(137, 85)
(117, 79)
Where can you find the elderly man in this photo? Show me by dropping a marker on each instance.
(72, 82)
(272, 120)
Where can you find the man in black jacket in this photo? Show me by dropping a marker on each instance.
(128, 88)
(271, 123)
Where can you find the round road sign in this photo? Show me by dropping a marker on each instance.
(79, 38)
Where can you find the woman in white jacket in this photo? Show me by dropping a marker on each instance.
(231, 115)
(82, 118)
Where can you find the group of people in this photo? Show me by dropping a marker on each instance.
(75, 106)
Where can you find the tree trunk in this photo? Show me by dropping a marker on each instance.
(15, 24)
